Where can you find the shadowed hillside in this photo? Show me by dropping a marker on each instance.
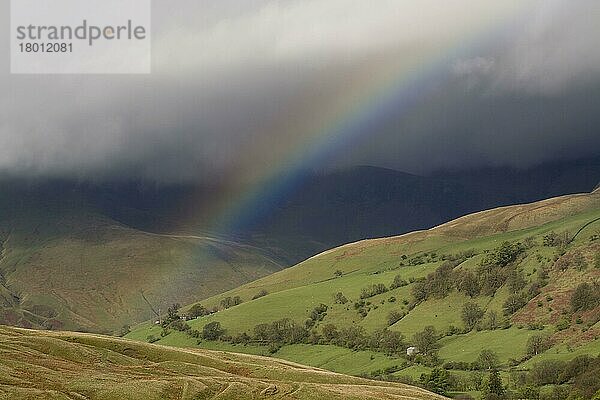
(65, 266)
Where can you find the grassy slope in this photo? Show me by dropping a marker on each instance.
(295, 291)
(79, 270)
(61, 365)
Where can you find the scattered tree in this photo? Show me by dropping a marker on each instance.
(487, 359)
(515, 281)
(471, 315)
(494, 389)
(491, 320)
(212, 331)
(398, 282)
(536, 344)
(419, 291)
(438, 381)
(229, 302)
(468, 284)
(503, 255)
(197, 310)
(584, 297)
(426, 340)
(513, 304)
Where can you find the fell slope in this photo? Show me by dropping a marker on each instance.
(65, 266)
(484, 229)
(64, 365)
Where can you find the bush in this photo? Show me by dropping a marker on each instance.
(353, 337)
(587, 383)
(284, 331)
(491, 321)
(441, 282)
(339, 298)
(575, 367)
(172, 314)
(261, 293)
(563, 324)
(573, 259)
(229, 302)
(513, 304)
(459, 365)
(546, 372)
(395, 316)
(528, 392)
(152, 339)
(330, 333)
(554, 239)
(557, 393)
(452, 330)
(398, 282)
(534, 290)
(503, 255)
(319, 312)
(597, 260)
(373, 290)
(389, 342)
(491, 279)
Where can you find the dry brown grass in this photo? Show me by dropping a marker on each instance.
(64, 365)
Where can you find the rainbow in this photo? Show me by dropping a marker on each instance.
(380, 91)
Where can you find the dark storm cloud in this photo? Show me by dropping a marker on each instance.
(234, 81)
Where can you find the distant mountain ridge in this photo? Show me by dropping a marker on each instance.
(324, 210)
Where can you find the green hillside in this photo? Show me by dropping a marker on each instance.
(526, 283)
(66, 365)
(64, 266)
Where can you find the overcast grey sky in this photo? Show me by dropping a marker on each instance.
(236, 83)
